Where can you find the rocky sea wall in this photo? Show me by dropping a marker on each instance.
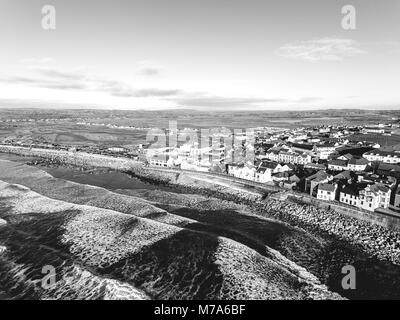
(81, 159)
(386, 220)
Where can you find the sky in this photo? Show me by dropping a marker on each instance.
(204, 54)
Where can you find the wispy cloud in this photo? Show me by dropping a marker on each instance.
(207, 101)
(144, 93)
(308, 99)
(44, 83)
(81, 80)
(59, 74)
(38, 61)
(149, 68)
(149, 71)
(51, 78)
(325, 49)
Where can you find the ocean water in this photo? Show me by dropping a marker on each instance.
(99, 254)
(190, 247)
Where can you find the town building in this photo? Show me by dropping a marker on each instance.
(357, 164)
(327, 191)
(396, 204)
(337, 165)
(375, 130)
(242, 171)
(350, 194)
(288, 155)
(315, 166)
(159, 161)
(348, 162)
(344, 176)
(312, 182)
(389, 170)
(374, 196)
(324, 151)
(383, 156)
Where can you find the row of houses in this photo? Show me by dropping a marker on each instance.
(348, 162)
(392, 157)
(369, 197)
(300, 153)
(264, 172)
(186, 156)
(287, 155)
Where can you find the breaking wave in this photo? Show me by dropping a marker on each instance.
(106, 245)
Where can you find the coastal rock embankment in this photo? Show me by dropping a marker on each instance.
(374, 239)
(80, 159)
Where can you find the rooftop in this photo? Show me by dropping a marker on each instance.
(327, 187)
(338, 162)
(389, 167)
(383, 153)
(343, 175)
(303, 146)
(351, 189)
(379, 187)
(360, 161)
(269, 164)
(319, 176)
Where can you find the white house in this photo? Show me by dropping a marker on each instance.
(117, 149)
(345, 163)
(266, 169)
(242, 171)
(383, 156)
(337, 165)
(350, 195)
(375, 196)
(323, 151)
(272, 154)
(327, 191)
(287, 155)
(357, 164)
(378, 130)
(370, 198)
(263, 175)
(290, 156)
(159, 161)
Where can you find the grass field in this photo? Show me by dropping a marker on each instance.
(384, 141)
